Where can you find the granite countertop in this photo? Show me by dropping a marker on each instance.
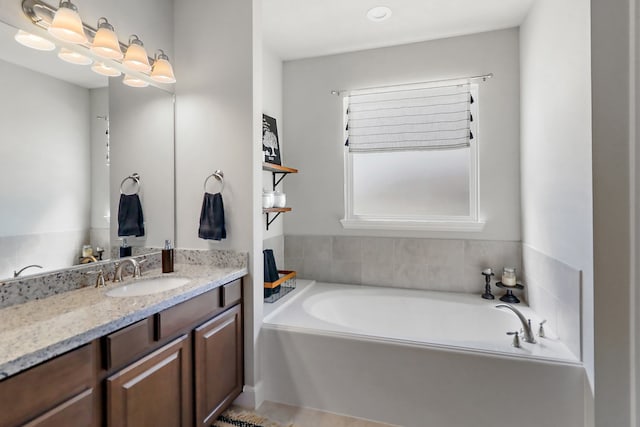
(39, 330)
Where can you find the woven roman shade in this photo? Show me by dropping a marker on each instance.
(417, 118)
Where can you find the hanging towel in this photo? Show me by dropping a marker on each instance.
(212, 218)
(130, 219)
(270, 269)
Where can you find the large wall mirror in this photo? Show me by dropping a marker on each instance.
(68, 138)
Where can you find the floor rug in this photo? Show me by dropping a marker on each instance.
(233, 418)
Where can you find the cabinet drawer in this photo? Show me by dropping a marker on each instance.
(77, 411)
(39, 389)
(122, 346)
(177, 318)
(231, 293)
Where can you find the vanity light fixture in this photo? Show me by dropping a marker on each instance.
(105, 70)
(136, 57)
(379, 13)
(133, 81)
(162, 70)
(33, 41)
(67, 25)
(105, 43)
(101, 44)
(73, 57)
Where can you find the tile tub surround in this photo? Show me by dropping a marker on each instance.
(555, 292)
(430, 264)
(36, 331)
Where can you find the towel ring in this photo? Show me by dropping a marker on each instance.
(219, 176)
(136, 180)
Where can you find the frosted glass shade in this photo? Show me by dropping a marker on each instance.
(136, 58)
(67, 25)
(162, 71)
(33, 41)
(73, 57)
(105, 70)
(106, 44)
(134, 81)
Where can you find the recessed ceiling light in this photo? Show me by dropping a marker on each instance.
(379, 13)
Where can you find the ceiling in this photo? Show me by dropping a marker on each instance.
(294, 29)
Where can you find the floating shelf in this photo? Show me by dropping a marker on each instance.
(277, 169)
(277, 212)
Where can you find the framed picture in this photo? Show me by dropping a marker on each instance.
(270, 145)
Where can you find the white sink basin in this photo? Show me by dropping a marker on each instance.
(148, 286)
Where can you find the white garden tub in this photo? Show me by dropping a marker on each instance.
(417, 358)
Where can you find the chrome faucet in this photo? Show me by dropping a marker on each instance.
(17, 273)
(117, 277)
(526, 324)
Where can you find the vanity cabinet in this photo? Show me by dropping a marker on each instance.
(180, 367)
(154, 391)
(218, 364)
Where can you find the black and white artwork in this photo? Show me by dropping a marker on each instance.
(270, 145)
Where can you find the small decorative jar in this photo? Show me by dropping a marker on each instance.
(279, 199)
(509, 276)
(267, 199)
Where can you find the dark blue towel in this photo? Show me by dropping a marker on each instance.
(212, 218)
(130, 219)
(270, 269)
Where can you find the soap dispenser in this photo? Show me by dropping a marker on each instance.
(167, 257)
(125, 249)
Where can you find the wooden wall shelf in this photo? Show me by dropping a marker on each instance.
(276, 170)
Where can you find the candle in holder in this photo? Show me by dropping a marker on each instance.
(509, 276)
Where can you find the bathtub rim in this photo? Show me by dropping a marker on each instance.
(305, 286)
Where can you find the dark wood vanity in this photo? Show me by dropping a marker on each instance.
(180, 367)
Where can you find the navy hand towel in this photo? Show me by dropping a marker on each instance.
(270, 269)
(212, 218)
(130, 219)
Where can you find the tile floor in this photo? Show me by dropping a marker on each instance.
(304, 417)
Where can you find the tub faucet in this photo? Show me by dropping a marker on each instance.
(526, 324)
(17, 273)
(117, 277)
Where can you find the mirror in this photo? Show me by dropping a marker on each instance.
(68, 138)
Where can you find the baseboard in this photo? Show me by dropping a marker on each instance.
(251, 396)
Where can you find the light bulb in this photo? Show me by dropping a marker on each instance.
(134, 81)
(162, 71)
(136, 57)
(33, 41)
(73, 57)
(67, 25)
(105, 70)
(105, 43)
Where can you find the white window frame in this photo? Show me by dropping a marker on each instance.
(470, 222)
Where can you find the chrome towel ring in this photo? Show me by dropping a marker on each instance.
(219, 176)
(135, 177)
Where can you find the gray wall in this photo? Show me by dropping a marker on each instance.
(313, 128)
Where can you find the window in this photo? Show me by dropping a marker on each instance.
(411, 158)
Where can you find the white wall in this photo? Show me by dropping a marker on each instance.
(556, 144)
(313, 128)
(218, 126)
(612, 37)
(44, 168)
(272, 106)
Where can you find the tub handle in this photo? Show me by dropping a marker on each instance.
(516, 338)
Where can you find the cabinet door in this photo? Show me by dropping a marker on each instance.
(154, 391)
(77, 411)
(218, 364)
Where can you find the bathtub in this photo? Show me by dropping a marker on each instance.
(416, 358)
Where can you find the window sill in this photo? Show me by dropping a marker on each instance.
(377, 224)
